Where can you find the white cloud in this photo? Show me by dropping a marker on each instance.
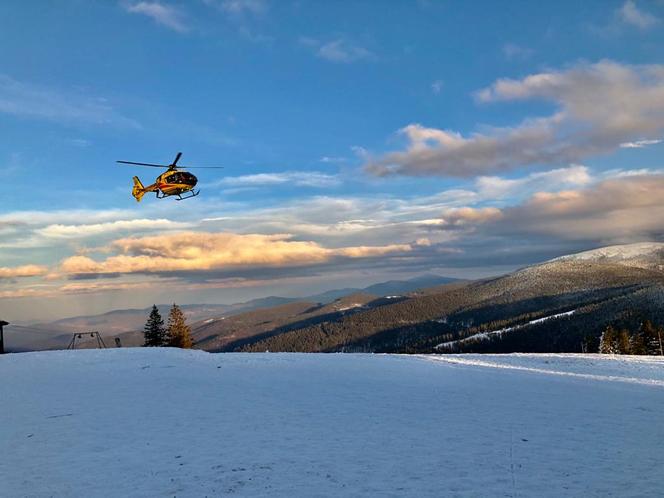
(240, 7)
(73, 216)
(495, 187)
(599, 105)
(639, 144)
(245, 16)
(161, 13)
(630, 14)
(340, 50)
(299, 178)
(333, 160)
(437, 87)
(79, 142)
(513, 51)
(59, 231)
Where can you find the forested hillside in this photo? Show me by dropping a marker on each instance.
(559, 306)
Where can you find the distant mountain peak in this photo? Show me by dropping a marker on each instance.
(639, 254)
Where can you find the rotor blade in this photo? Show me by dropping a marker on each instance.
(177, 158)
(200, 167)
(144, 164)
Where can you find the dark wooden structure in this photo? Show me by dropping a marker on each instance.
(2, 337)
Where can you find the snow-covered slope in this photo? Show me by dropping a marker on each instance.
(640, 255)
(160, 422)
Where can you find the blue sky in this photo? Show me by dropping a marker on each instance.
(361, 141)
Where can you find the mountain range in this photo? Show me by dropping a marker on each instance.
(561, 305)
(127, 324)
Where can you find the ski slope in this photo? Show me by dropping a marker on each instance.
(483, 336)
(165, 422)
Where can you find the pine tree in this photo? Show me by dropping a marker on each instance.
(154, 331)
(652, 344)
(624, 346)
(660, 340)
(179, 333)
(608, 341)
(638, 341)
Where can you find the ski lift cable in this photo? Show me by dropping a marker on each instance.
(28, 330)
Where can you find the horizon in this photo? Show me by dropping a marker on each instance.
(360, 145)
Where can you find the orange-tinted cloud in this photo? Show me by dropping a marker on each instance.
(199, 251)
(22, 271)
(626, 208)
(461, 216)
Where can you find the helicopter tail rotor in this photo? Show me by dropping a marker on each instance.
(138, 191)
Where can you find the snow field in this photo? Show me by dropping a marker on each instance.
(163, 422)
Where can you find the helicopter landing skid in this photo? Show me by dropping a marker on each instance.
(194, 193)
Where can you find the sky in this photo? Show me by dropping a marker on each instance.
(361, 141)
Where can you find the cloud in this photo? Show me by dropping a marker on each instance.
(244, 15)
(240, 7)
(339, 50)
(489, 221)
(201, 251)
(298, 178)
(62, 228)
(22, 271)
(630, 14)
(639, 144)
(34, 101)
(85, 287)
(496, 187)
(161, 13)
(79, 142)
(512, 51)
(462, 216)
(333, 159)
(599, 106)
(618, 209)
(385, 219)
(59, 231)
(37, 218)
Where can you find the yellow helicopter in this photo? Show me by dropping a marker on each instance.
(173, 182)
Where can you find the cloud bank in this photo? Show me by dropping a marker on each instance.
(598, 107)
(201, 251)
(22, 271)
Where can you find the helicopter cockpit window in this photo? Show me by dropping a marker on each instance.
(176, 178)
(182, 177)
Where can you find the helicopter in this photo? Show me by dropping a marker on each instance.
(173, 182)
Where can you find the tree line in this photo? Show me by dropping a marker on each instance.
(647, 339)
(176, 334)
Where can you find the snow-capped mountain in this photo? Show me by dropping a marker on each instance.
(640, 255)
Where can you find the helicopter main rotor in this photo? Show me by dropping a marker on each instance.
(171, 166)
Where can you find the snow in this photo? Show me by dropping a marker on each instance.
(154, 422)
(617, 252)
(483, 336)
(351, 306)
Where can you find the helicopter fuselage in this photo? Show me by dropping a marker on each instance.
(172, 182)
(175, 182)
